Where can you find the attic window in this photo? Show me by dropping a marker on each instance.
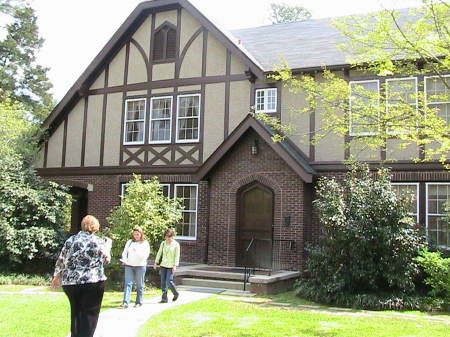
(164, 43)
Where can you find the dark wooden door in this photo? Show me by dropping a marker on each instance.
(254, 234)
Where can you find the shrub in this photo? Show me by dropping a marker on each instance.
(369, 241)
(143, 205)
(25, 279)
(437, 269)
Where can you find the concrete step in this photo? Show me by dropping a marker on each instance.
(207, 283)
(221, 275)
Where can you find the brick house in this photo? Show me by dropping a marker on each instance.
(169, 95)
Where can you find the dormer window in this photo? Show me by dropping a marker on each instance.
(164, 43)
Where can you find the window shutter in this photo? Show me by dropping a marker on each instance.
(171, 43)
(158, 45)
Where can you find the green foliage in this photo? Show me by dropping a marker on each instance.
(438, 270)
(20, 76)
(33, 214)
(25, 279)
(368, 240)
(282, 13)
(144, 205)
(385, 43)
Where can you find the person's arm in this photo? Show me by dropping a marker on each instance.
(60, 265)
(177, 258)
(158, 255)
(124, 257)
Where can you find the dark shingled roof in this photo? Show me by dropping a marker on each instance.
(304, 44)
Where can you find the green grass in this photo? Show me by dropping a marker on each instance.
(214, 317)
(44, 315)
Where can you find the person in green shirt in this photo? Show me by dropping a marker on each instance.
(168, 258)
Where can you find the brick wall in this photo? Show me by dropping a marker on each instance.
(239, 168)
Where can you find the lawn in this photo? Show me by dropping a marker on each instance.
(219, 317)
(23, 315)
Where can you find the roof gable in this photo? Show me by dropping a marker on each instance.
(294, 159)
(125, 31)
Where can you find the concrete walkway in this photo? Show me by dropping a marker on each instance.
(126, 322)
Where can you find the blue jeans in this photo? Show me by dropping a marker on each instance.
(167, 282)
(136, 275)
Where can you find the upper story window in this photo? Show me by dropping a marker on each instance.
(160, 119)
(266, 100)
(411, 190)
(188, 118)
(438, 95)
(364, 97)
(400, 92)
(164, 187)
(164, 43)
(134, 128)
(438, 231)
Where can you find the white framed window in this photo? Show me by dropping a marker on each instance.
(363, 95)
(160, 119)
(165, 190)
(187, 227)
(266, 100)
(134, 121)
(188, 118)
(412, 190)
(438, 95)
(400, 91)
(438, 231)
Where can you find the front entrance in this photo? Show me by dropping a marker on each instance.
(255, 222)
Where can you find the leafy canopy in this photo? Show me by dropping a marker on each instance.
(384, 44)
(282, 13)
(21, 77)
(144, 205)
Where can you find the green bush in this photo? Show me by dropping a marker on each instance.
(144, 205)
(437, 269)
(368, 242)
(25, 279)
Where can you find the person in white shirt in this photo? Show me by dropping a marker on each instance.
(134, 258)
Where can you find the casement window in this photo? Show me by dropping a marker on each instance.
(134, 121)
(160, 119)
(438, 95)
(188, 118)
(411, 190)
(123, 190)
(364, 97)
(438, 231)
(266, 100)
(164, 44)
(188, 194)
(400, 91)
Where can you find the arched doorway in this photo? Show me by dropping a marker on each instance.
(255, 226)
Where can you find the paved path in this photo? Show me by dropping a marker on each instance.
(126, 322)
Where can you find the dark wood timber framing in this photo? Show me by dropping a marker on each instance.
(105, 102)
(64, 145)
(114, 170)
(226, 121)
(45, 153)
(177, 44)
(184, 51)
(121, 36)
(399, 165)
(312, 130)
(83, 140)
(347, 137)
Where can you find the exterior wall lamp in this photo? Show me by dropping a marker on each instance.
(254, 148)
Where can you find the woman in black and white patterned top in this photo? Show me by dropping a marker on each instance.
(80, 270)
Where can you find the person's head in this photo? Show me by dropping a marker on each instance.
(169, 234)
(90, 224)
(138, 234)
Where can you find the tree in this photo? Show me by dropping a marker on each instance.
(386, 43)
(144, 205)
(21, 78)
(368, 242)
(282, 13)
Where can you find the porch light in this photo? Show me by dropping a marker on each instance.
(254, 148)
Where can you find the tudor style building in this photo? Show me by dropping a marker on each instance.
(170, 95)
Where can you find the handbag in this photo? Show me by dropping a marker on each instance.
(162, 254)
